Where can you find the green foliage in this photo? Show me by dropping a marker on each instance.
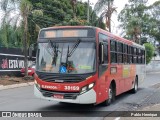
(155, 14)
(15, 29)
(149, 52)
(101, 4)
(40, 14)
(131, 18)
(105, 8)
(9, 37)
(57, 13)
(139, 21)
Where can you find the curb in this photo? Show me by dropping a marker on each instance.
(2, 87)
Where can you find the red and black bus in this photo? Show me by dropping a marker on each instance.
(83, 64)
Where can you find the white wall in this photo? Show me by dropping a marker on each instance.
(154, 65)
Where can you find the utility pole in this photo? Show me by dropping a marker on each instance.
(109, 16)
(88, 12)
(25, 45)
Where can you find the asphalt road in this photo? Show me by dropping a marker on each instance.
(22, 99)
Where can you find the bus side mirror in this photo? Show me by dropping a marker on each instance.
(101, 53)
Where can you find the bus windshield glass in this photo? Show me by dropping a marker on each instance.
(67, 58)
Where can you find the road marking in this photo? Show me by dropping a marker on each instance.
(118, 118)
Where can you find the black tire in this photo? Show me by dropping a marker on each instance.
(135, 89)
(111, 94)
(62, 103)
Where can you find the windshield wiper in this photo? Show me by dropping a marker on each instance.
(69, 54)
(54, 51)
(55, 48)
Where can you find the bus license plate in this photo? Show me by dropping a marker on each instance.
(58, 96)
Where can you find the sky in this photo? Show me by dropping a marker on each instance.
(117, 3)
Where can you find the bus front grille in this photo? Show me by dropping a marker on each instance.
(49, 77)
(66, 95)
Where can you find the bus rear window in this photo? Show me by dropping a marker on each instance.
(56, 33)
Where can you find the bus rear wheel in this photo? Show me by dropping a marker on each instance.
(135, 89)
(111, 96)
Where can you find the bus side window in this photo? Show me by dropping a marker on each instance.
(139, 56)
(105, 53)
(120, 52)
(113, 45)
(125, 53)
(129, 60)
(104, 39)
(143, 56)
(113, 49)
(132, 54)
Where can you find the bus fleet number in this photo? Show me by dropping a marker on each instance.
(71, 87)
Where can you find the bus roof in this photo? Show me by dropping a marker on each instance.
(57, 27)
(100, 30)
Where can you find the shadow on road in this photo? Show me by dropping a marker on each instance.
(90, 110)
(85, 107)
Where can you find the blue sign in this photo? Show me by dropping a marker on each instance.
(63, 69)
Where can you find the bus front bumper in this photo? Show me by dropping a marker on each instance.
(86, 98)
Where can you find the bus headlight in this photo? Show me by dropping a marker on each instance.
(86, 88)
(83, 90)
(90, 86)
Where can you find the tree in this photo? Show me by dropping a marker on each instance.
(149, 52)
(9, 37)
(55, 12)
(137, 21)
(73, 3)
(24, 7)
(155, 15)
(106, 8)
(131, 17)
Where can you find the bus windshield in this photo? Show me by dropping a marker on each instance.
(66, 58)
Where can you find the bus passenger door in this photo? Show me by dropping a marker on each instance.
(102, 91)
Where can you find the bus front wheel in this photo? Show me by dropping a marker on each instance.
(111, 96)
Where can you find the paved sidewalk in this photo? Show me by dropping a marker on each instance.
(2, 87)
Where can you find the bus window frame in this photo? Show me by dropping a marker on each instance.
(113, 51)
